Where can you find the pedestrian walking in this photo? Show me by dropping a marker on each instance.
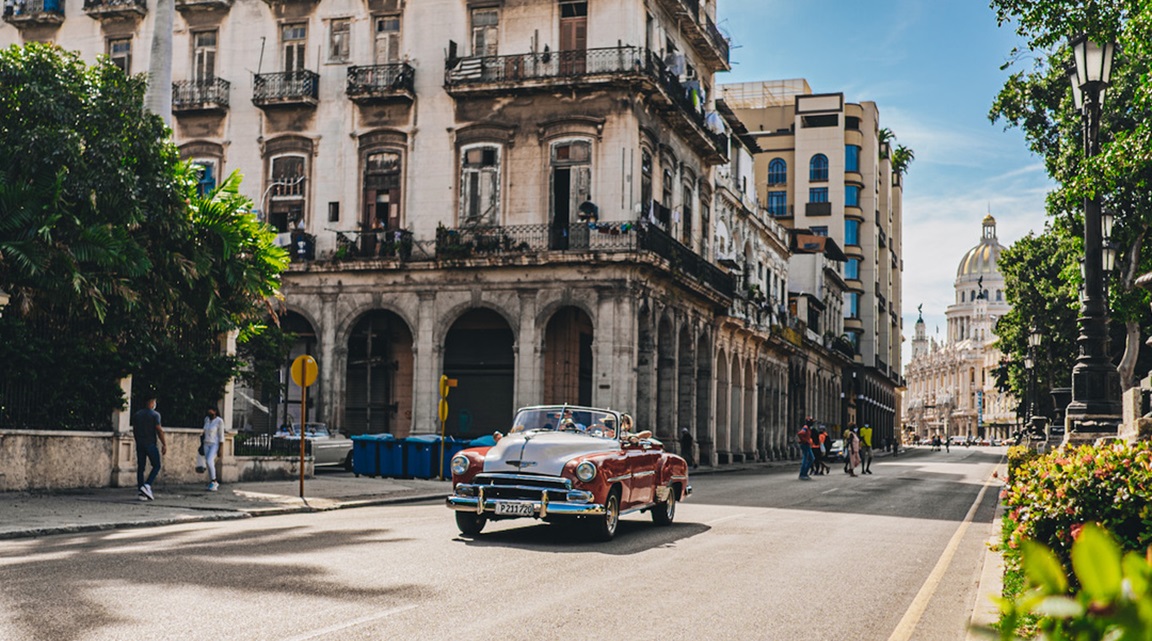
(211, 439)
(852, 444)
(804, 437)
(146, 431)
(866, 449)
(818, 450)
(686, 443)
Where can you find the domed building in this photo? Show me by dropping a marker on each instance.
(951, 386)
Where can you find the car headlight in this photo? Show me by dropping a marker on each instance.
(459, 464)
(586, 471)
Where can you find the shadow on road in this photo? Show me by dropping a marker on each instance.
(632, 537)
(47, 593)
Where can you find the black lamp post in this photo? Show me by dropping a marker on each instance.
(1095, 405)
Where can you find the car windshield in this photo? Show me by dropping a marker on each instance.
(311, 430)
(598, 423)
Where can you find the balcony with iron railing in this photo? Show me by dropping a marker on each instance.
(381, 83)
(623, 66)
(23, 13)
(115, 9)
(462, 245)
(701, 31)
(197, 96)
(286, 89)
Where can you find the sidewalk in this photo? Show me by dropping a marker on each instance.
(34, 514)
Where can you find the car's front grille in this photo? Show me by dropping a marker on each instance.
(522, 487)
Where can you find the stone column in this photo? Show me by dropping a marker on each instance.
(331, 363)
(529, 372)
(428, 357)
(229, 470)
(123, 443)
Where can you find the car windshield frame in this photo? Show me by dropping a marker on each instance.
(588, 421)
(311, 430)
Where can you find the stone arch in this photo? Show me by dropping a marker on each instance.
(665, 427)
(686, 384)
(479, 352)
(378, 374)
(736, 407)
(455, 312)
(723, 401)
(750, 432)
(704, 433)
(567, 357)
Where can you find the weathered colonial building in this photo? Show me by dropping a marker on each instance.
(951, 385)
(541, 199)
(825, 167)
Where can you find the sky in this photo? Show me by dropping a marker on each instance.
(933, 69)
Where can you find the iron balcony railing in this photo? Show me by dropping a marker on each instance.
(286, 87)
(717, 38)
(687, 98)
(544, 65)
(34, 10)
(200, 94)
(463, 243)
(381, 81)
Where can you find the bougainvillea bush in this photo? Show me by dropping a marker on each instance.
(1050, 498)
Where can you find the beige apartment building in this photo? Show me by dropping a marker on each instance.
(541, 199)
(951, 382)
(824, 167)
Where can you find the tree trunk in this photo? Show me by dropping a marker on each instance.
(158, 99)
(1127, 366)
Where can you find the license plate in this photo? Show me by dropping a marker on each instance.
(515, 508)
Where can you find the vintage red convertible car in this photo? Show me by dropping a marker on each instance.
(567, 463)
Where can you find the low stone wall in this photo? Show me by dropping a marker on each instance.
(48, 460)
(58, 460)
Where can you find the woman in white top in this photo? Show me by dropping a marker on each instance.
(213, 436)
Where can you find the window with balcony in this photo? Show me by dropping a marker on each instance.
(645, 182)
(204, 56)
(851, 232)
(571, 188)
(382, 188)
(778, 203)
(777, 172)
(120, 52)
(664, 214)
(853, 305)
(818, 195)
(852, 269)
(480, 185)
(287, 192)
(818, 168)
(852, 196)
(687, 198)
(851, 158)
(339, 40)
(386, 47)
(294, 39)
(485, 31)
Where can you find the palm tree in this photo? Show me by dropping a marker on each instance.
(902, 157)
(885, 138)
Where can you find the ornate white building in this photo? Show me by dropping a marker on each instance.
(951, 385)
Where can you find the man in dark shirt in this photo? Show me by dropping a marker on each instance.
(146, 430)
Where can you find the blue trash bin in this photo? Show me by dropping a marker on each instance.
(368, 453)
(421, 456)
(365, 455)
(392, 458)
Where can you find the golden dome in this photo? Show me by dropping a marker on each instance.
(985, 257)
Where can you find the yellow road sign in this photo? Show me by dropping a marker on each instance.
(304, 370)
(445, 385)
(443, 410)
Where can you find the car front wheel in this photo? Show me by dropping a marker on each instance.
(603, 527)
(470, 523)
(348, 463)
(663, 513)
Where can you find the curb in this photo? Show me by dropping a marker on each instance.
(985, 612)
(223, 514)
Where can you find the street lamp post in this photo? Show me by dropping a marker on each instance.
(1095, 406)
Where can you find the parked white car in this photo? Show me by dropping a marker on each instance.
(328, 447)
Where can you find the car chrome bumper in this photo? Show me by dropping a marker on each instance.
(540, 509)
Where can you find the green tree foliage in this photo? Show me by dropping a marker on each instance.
(116, 265)
(1038, 100)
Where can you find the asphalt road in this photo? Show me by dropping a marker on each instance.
(752, 555)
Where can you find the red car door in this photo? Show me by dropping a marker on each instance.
(642, 461)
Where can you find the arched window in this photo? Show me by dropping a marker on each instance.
(777, 172)
(818, 167)
(480, 185)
